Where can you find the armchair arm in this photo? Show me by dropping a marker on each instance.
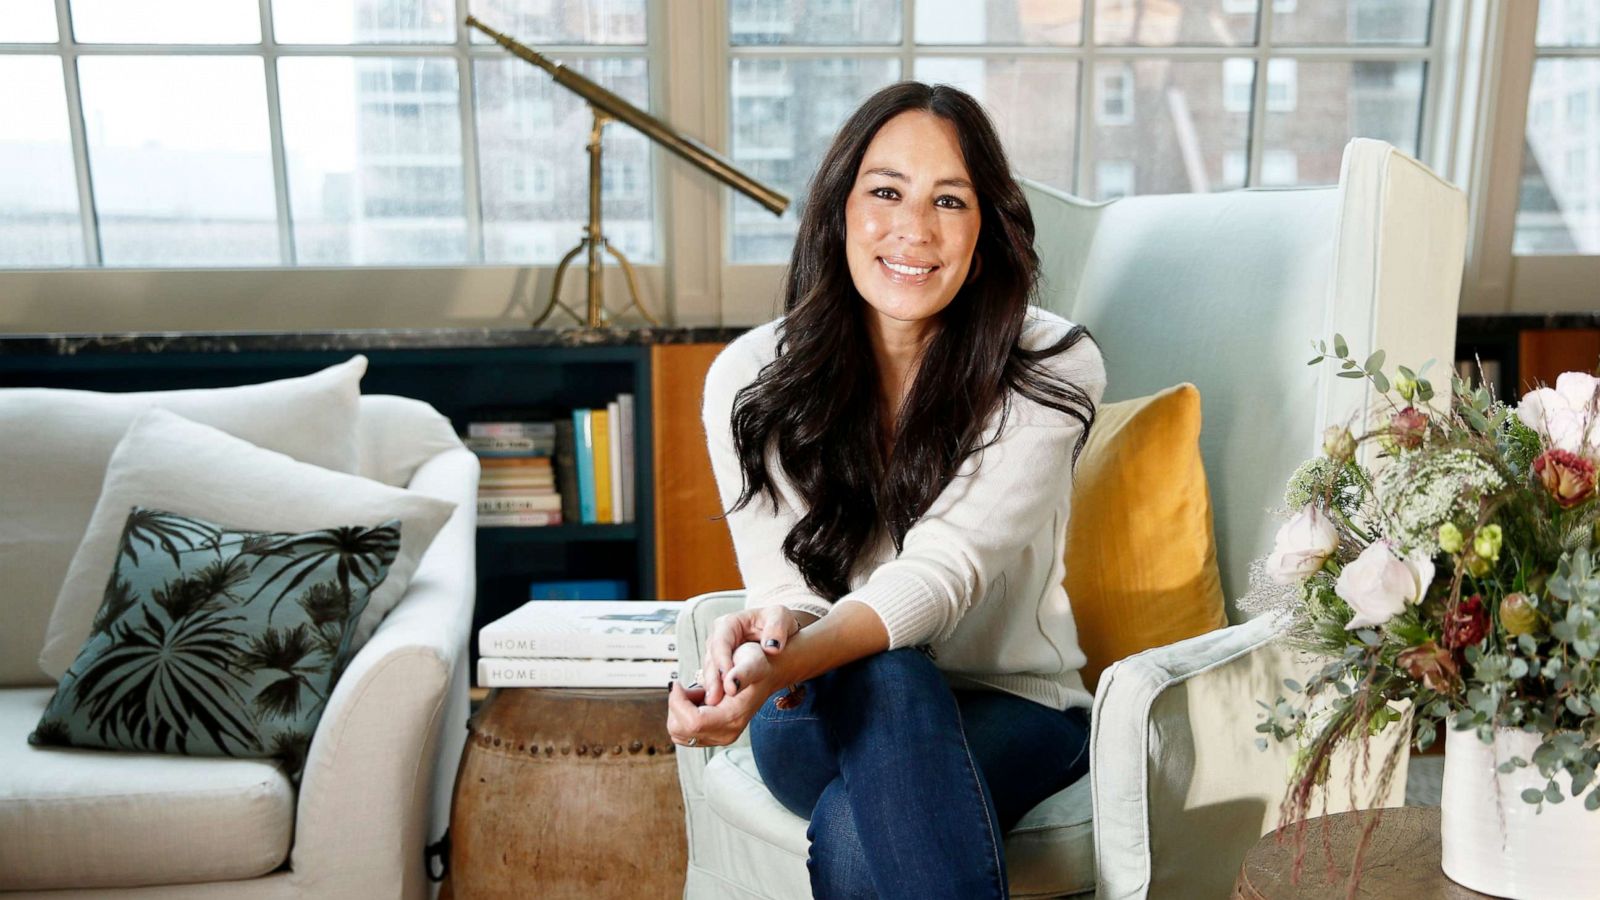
(694, 626)
(363, 814)
(1180, 790)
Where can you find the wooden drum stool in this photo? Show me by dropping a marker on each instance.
(567, 793)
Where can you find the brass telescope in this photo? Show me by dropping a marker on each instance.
(608, 107)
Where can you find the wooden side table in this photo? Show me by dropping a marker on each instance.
(1401, 861)
(568, 793)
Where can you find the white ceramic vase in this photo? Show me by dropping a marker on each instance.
(1494, 842)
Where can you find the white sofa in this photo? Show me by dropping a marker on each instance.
(380, 770)
(1225, 291)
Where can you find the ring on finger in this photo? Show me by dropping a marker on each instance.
(691, 742)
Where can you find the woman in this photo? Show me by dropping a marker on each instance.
(896, 455)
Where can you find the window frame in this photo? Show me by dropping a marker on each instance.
(754, 287)
(1500, 280)
(688, 53)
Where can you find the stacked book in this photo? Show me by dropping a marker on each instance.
(604, 456)
(517, 487)
(576, 643)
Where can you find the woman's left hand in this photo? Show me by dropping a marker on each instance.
(693, 725)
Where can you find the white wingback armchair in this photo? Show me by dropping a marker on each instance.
(1224, 291)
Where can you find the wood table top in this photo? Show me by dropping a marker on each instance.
(1401, 861)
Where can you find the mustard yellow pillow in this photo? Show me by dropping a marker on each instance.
(1141, 556)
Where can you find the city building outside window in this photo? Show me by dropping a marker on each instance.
(151, 137)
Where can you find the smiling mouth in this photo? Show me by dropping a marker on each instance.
(907, 273)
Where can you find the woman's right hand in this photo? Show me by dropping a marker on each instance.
(769, 626)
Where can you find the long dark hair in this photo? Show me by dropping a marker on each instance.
(815, 405)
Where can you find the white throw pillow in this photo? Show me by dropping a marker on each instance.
(54, 445)
(170, 463)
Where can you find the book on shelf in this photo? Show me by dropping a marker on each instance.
(511, 446)
(519, 503)
(498, 487)
(510, 429)
(579, 589)
(626, 435)
(576, 673)
(614, 420)
(566, 471)
(577, 629)
(583, 436)
(602, 466)
(519, 519)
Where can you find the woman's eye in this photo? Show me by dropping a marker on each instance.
(884, 193)
(949, 202)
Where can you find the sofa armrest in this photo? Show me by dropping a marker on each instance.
(363, 814)
(1180, 790)
(694, 626)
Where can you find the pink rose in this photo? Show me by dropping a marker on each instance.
(1408, 428)
(1432, 665)
(1562, 413)
(1302, 545)
(1567, 476)
(1378, 584)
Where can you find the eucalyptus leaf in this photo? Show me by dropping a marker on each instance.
(1532, 795)
(1339, 346)
(1380, 381)
(1374, 362)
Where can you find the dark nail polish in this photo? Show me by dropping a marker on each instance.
(693, 686)
(772, 642)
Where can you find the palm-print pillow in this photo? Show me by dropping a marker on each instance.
(217, 642)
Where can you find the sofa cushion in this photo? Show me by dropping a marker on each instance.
(1050, 853)
(56, 443)
(87, 818)
(213, 641)
(395, 435)
(171, 463)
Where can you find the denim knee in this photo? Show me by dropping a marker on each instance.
(837, 862)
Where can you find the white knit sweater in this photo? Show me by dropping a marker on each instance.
(979, 577)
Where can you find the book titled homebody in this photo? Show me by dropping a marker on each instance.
(589, 673)
(585, 629)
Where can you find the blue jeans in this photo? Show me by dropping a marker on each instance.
(911, 786)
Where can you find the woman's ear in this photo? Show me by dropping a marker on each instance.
(977, 268)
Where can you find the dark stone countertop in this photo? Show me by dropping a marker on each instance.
(1480, 324)
(399, 339)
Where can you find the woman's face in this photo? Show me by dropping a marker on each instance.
(912, 219)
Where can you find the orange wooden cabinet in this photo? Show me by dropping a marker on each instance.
(694, 553)
(1547, 352)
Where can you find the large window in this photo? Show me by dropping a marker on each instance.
(180, 133)
(1098, 97)
(1559, 209)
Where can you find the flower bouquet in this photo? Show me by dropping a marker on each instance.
(1452, 580)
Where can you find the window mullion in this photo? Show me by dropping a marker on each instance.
(280, 166)
(1086, 87)
(470, 175)
(1256, 148)
(1432, 91)
(80, 137)
(908, 41)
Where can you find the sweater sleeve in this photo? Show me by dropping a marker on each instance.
(1000, 498)
(758, 530)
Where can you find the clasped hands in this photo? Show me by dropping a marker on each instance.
(743, 666)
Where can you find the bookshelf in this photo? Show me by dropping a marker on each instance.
(474, 376)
